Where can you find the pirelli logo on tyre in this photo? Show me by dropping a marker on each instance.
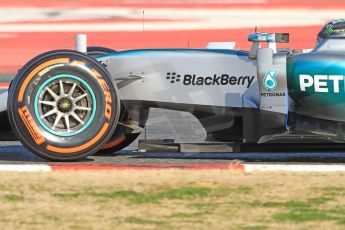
(103, 84)
(107, 94)
(31, 125)
(209, 80)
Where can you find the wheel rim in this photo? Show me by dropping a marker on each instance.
(65, 105)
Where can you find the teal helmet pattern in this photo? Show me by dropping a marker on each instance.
(333, 29)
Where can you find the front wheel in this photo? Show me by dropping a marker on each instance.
(63, 105)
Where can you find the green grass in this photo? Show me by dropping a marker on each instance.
(68, 195)
(187, 215)
(258, 227)
(172, 200)
(184, 193)
(334, 191)
(137, 220)
(13, 197)
(308, 210)
(303, 216)
(202, 200)
(288, 204)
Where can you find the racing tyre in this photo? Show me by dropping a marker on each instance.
(95, 51)
(63, 105)
(118, 141)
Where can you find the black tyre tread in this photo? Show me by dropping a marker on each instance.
(95, 51)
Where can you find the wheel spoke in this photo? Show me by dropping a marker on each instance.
(77, 118)
(51, 103)
(51, 92)
(51, 112)
(80, 97)
(82, 108)
(65, 106)
(70, 93)
(62, 91)
(67, 123)
(58, 118)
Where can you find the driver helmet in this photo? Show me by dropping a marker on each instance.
(334, 29)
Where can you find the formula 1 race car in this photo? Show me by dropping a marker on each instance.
(65, 105)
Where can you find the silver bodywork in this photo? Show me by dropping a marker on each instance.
(218, 86)
(148, 73)
(142, 76)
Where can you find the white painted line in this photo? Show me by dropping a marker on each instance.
(316, 168)
(293, 168)
(25, 168)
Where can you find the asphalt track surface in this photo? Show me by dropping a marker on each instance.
(14, 153)
(181, 127)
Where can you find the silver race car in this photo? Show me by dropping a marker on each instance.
(65, 105)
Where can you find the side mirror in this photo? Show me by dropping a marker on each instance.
(271, 39)
(266, 37)
(282, 37)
